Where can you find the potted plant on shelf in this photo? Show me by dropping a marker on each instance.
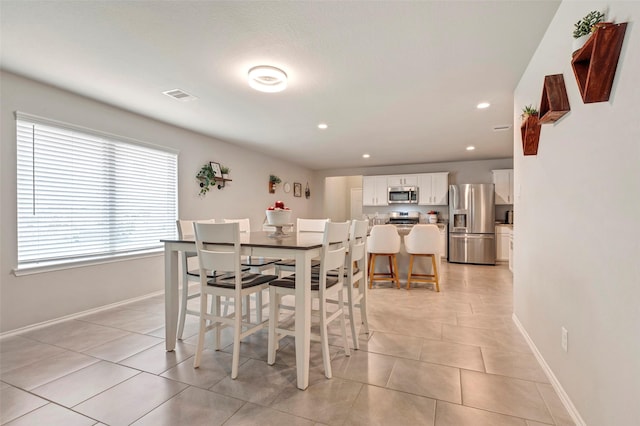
(273, 181)
(225, 172)
(530, 130)
(207, 178)
(584, 28)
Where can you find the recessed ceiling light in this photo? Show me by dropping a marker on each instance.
(365, 156)
(322, 126)
(483, 105)
(471, 148)
(268, 79)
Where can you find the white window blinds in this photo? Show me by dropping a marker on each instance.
(84, 195)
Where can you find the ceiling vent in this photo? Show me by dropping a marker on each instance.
(179, 95)
(501, 128)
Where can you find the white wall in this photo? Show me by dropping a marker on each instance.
(577, 233)
(36, 298)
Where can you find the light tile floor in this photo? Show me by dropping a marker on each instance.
(448, 358)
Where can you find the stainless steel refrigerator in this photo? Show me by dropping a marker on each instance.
(472, 236)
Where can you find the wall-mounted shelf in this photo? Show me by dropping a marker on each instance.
(222, 182)
(530, 130)
(554, 103)
(594, 65)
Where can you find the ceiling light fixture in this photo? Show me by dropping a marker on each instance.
(365, 156)
(323, 126)
(483, 105)
(471, 148)
(265, 78)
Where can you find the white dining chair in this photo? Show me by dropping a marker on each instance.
(323, 287)
(423, 241)
(234, 284)
(256, 264)
(384, 241)
(302, 225)
(185, 231)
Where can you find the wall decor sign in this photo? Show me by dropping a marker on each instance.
(297, 189)
(216, 169)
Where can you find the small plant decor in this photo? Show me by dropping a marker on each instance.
(207, 178)
(587, 24)
(529, 111)
(273, 181)
(225, 170)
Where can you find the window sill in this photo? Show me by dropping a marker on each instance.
(57, 266)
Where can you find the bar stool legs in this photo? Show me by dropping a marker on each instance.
(392, 275)
(424, 278)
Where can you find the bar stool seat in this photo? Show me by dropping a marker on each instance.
(423, 241)
(384, 240)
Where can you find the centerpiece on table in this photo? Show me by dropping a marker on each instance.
(278, 216)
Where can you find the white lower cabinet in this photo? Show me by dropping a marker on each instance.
(503, 241)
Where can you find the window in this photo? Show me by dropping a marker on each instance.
(85, 195)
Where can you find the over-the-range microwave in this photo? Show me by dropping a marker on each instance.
(403, 195)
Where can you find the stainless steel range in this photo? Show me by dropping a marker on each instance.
(404, 218)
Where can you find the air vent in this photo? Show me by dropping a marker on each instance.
(180, 95)
(501, 128)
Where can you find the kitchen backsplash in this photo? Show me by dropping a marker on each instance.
(443, 211)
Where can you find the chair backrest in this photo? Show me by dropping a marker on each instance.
(311, 225)
(423, 239)
(220, 259)
(384, 239)
(186, 232)
(334, 249)
(357, 247)
(245, 224)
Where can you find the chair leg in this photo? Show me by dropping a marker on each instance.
(324, 338)
(395, 269)
(363, 309)
(200, 345)
(274, 315)
(343, 324)
(215, 310)
(237, 329)
(435, 272)
(183, 305)
(259, 307)
(410, 270)
(350, 298)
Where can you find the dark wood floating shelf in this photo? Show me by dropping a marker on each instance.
(594, 65)
(554, 103)
(224, 181)
(530, 130)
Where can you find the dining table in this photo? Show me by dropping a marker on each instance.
(300, 246)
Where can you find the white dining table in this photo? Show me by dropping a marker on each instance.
(301, 246)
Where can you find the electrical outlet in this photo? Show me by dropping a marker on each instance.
(565, 339)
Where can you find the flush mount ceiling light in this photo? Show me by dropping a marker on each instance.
(322, 126)
(471, 148)
(365, 156)
(265, 78)
(483, 105)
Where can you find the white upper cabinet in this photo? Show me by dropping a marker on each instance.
(374, 191)
(433, 189)
(503, 181)
(402, 180)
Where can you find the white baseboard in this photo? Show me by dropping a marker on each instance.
(78, 314)
(564, 398)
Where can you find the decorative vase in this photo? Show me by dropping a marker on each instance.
(278, 217)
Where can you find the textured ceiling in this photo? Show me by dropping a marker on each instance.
(397, 80)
